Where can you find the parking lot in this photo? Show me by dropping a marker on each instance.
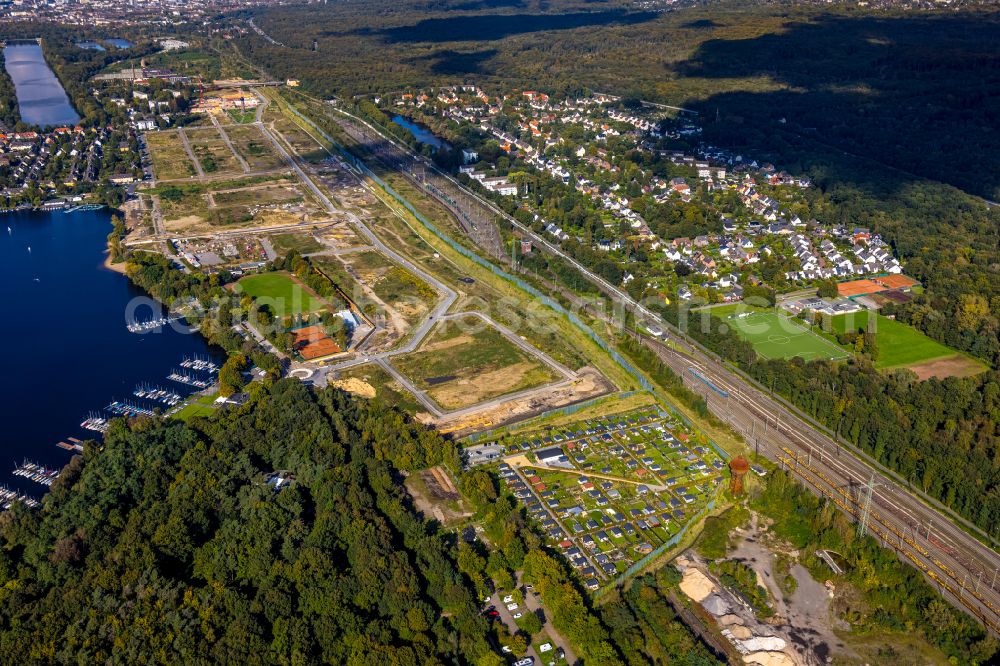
(512, 607)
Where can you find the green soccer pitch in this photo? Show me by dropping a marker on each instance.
(777, 336)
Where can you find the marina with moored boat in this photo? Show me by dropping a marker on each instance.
(37, 473)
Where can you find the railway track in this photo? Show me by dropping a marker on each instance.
(964, 569)
(944, 576)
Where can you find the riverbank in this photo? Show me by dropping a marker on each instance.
(118, 267)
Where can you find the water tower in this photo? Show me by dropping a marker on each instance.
(738, 468)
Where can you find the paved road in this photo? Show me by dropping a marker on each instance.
(417, 393)
(339, 251)
(211, 178)
(508, 619)
(225, 137)
(517, 340)
(558, 640)
(481, 228)
(190, 153)
(962, 567)
(450, 294)
(163, 235)
(244, 327)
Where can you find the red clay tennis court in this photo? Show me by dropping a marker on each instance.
(312, 342)
(896, 281)
(859, 287)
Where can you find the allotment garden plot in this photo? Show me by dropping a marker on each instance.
(608, 492)
(466, 361)
(775, 335)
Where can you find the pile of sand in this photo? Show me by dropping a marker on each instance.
(696, 585)
(355, 386)
(769, 659)
(741, 632)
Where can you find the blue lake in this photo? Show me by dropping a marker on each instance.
(93, 46)
(119, 43)
(40, 97)
(67, 352)
(421, 134)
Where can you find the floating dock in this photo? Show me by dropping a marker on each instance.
(37, 473)
(157, 394)
(187, 378)
(8, 497)
(96, 423)
(152, 324)
(199, 363)
(73, 444)
(128, 409)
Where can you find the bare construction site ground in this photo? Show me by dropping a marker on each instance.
(278, 178)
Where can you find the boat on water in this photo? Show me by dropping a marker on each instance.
(122, 408)
(144, 326)
(37, 473)
(201, 363)
(9, 497)
(157, 394)
(187, 378)
(83, 207)
(95, 423)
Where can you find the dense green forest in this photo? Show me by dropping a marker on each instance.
(168, 544)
